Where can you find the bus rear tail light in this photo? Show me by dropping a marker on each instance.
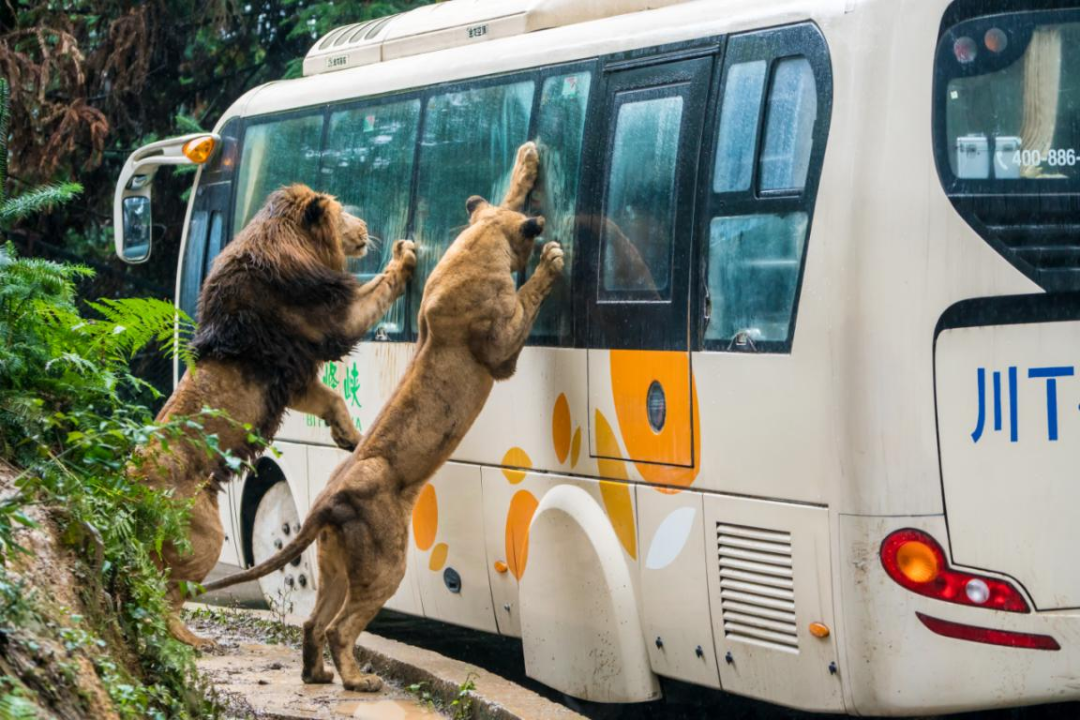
(916, 561)
(988, 636)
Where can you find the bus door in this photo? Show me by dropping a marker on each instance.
(641, 230)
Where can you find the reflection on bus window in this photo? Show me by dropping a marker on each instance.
(640, 205)
(789, 133)
(194, 253)
(563, 102)
(1012, 114)
(368, 166)
(275, 154)
(754, 263)
(468, 147)
(739, 126)
(213, 246)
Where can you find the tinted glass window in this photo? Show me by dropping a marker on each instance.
(1012, 101)
(563, 102)
(468, 147)
(739, 126)
(368, 165)
(213, 245)
(275, 154)
(638, 229)
(194, 253)
(754, 264)
(789, 132)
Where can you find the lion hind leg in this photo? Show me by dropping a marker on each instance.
(333, 585)
(354, 616)
(176, 626)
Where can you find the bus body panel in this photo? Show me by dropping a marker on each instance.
(898, 667)
(672, 541)
(1007, 410)
(769, 582)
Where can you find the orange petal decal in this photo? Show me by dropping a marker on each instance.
(522, 507)
(607, 447)
(679, 441)
(575, 447)
(438, 557)
(515, 457)
(620, 510)
(425, 518)
(560, 427)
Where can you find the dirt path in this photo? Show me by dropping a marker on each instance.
(256, 666)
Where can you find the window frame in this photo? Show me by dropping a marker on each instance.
(773, 46)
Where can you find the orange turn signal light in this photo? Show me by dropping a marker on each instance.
(819, 630)
(918, 561)
(501, 567)
(199, 150)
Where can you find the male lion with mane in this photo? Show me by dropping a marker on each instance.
(276, 306)
(473, 323)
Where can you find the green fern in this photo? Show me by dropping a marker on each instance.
(38, 200)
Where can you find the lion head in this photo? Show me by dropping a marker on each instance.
(519, 230)
(317, 220)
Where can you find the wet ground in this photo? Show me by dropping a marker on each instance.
(682, 701)
(256, 667)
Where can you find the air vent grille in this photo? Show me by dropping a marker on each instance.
(757, 586)
(1039, 235)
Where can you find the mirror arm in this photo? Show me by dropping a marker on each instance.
(146, 161)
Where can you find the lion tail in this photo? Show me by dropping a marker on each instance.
(307, 535)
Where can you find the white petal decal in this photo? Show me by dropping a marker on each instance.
(670, 538)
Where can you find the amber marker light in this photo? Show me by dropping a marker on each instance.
(199, 150)
(501, 567)
(819, 630)
(917, 561)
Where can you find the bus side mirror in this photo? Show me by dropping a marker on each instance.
(131, 202)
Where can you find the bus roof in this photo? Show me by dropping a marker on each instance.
(604, 33)
(450, 24)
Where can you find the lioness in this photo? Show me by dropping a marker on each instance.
(472, 326)
(277, 304)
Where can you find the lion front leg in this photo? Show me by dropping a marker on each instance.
(375, 298)
(324, 403)
(523, 177)
(498, 347)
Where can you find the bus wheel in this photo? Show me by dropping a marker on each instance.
(290, 590)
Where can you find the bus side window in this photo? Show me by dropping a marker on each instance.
(468, 147)
(561, 126)
(770, 141)
(368, 165)
(276, 153)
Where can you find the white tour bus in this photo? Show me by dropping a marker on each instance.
(820, 453)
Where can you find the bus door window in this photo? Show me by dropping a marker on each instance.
(468, 146)
(644, 229)
(367, 163)
(279, 152)
(564, 102)
(638, 232)
(214, 241)
(774, 114)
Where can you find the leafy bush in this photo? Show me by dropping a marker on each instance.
(69, 420)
